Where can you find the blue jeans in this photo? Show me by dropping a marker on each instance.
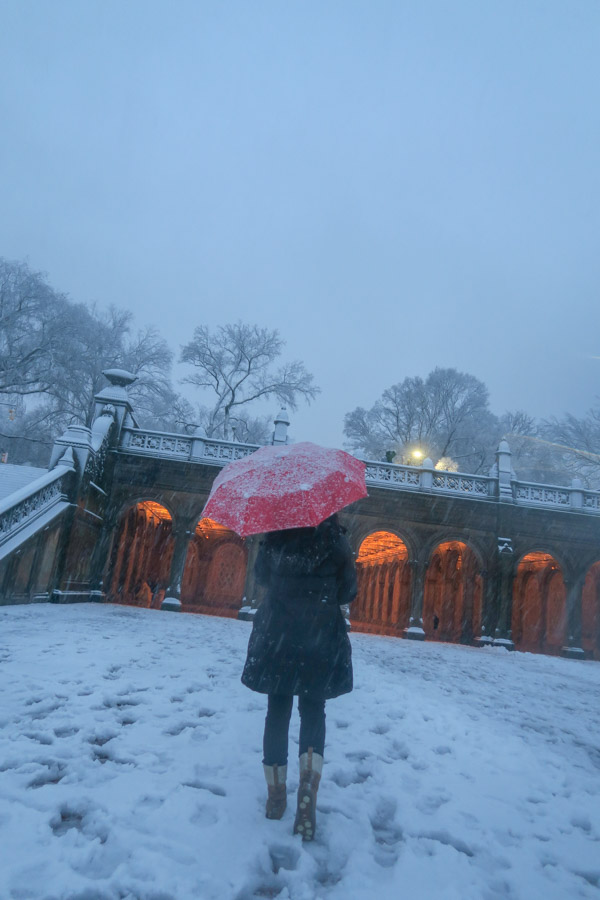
(277, 722)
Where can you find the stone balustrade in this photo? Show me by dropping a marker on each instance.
(42, 499)
(379, 474)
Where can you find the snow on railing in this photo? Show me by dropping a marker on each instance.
(23, 507)
(531, 494)
(591, 501)
(194, 448)
(464, 485)
(180, 446)
(422, 478)
(392, 475)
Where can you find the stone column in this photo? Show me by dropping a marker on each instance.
(172, 601)
(487, 609)
(574, 601)
(100, 559)
(468, 602)
(504, 587)
(505, 473)
(253, 592)
(415, 632)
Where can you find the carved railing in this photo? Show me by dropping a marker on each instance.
(392, 475)
(192, 448)
(528, 493)
(420, 478)
(591, 501)
(463, 485)
(183, 447)
(29, 504)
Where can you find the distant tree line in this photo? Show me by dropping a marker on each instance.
(446, 417)
(53, 352)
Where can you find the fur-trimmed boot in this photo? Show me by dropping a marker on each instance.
(311, 767)
(277, 797)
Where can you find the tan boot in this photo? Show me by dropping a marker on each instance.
(311, 767)
(277, 797)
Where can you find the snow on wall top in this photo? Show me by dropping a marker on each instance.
(13, 478)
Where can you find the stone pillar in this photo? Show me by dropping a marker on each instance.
(253, 592)
(172, 601)
(99, 564)
(281, 422)
(415, 631)
(504, 472)
(487, 609)
(115, 397)
(574, 601)
(576, 493)
(426, 474)
(469, 573)
(397, 572)
(504, 587)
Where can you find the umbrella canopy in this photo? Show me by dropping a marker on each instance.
(286, 486)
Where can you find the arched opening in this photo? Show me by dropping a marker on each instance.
(215, 570)
(539, 610)
(590, 612)
(453, 592)
(141, 556)
(383, 600)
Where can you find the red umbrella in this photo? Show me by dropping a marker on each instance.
(285, 486)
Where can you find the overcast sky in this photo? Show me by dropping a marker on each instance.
(393, 185)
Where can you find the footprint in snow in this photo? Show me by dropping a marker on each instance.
(283, 857)
(55, 772)
(387, 834)
(40, 737)
(176, 730)
(344, 778)
(204, 817)
(215, 789)
(442, 750)
(66, 731)
(381, 728)
(448, 840)
(430, 803)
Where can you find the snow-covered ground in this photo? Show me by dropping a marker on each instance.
(130, 768)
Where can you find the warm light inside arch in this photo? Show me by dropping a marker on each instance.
(208, 528)
(538, 560)
(381, 547)
(154, 511)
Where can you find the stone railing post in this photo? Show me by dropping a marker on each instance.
(281, 422)
(427, 474)
(172, 600)
(415, 631)
(79, 439)
(505, 472)
(574, 600)
(576, 494)
(115, 398)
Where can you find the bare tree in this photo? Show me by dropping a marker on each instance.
(576, 441)
(57, 365)
(444, 415)
(29, 309)
(236, 363)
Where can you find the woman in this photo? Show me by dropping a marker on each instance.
(299, 646)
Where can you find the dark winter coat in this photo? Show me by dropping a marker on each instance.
(299, 642)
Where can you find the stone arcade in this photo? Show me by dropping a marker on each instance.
(440, 555)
